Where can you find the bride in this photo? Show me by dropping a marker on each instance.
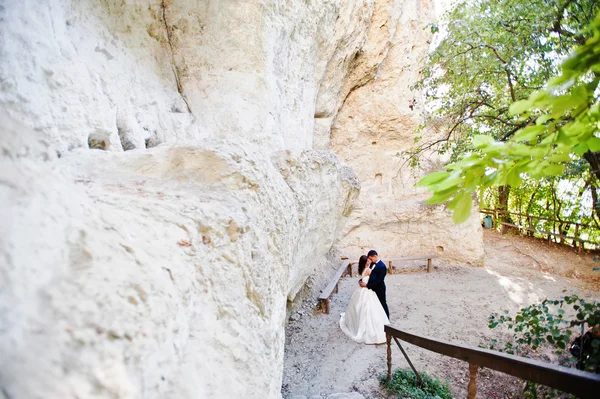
(364, 318)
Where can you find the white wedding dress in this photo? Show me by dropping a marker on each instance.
(364, 318)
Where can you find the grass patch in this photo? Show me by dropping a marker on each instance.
(404, 384)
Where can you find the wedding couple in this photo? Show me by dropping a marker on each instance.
(367, 311)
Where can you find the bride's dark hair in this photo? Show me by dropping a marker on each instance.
(362, 262)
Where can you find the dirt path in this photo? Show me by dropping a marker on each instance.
(453, 303)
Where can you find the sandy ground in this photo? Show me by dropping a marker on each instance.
(452, 303)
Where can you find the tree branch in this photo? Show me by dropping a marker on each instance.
(508, 123)
(514, 130)
(427, 146)
(502, 60)
(559, 15)
(510, 85)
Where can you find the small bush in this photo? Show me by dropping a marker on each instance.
(404, 384)
(546, 324)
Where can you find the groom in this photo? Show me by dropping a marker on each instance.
(376, 280)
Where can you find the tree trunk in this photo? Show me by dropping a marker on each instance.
(593, 158)
(557, 209)
(594, 192)
(528, 211)
(503, 195)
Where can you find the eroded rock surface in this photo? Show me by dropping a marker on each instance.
(161, 273)
(123, 74)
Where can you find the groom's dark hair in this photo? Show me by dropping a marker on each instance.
(372, 253)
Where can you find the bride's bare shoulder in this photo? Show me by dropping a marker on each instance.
(367, 272)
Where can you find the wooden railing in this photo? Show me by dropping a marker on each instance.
(501, 212)
(580, 383)
(429, 259)
(531, 227)
(346, 266)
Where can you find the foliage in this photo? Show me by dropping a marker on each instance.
(545, 324)
(548, 324)
(536, 391)
(555, 201)
(561, 123)
(404, 383)
(496, 52)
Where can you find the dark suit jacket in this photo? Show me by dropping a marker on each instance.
(377, 276)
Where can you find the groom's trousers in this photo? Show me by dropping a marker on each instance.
(381, 295)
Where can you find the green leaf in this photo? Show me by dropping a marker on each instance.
(438, 198)
(481, 141)
(593, 144)
(529, 133)
(462, 209)
(580, 149)
(433, 178)
(542, 119)
(519, 107)
(450, 183)
(553, 169)
(452, 204)
(514, 177)
(560, 157)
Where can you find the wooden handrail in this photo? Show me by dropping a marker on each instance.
(547, 233)
(406, 258)
(493, 212)
(411, 258)
(346, 265)
(575, 239)
(583, 384)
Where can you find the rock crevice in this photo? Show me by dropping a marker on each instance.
(173, 63)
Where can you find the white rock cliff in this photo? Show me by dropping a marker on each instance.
(377, 121)
(168, 183)
(157, 273)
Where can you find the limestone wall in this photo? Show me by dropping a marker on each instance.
(135, 73)
(161, 266)
(377, 121)
(160, 273)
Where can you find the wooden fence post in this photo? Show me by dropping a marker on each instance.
(388, 339)
(472, 381)
(429, 265)
(325, 306)
(391, 268)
